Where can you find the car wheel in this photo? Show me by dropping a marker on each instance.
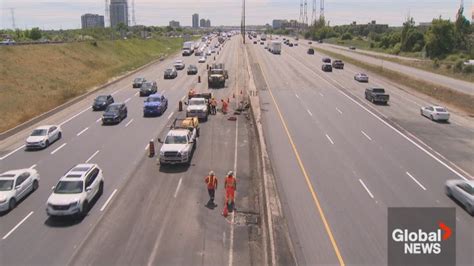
(35, 185)
(85, 208)
(431, 117)
(101, 188)
(470, 209)
(12, 204)
(60, 135)
(46, 144)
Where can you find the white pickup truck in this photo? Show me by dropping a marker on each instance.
(178, 146)
(197, 107)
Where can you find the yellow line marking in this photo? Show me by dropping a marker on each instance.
(308, 181)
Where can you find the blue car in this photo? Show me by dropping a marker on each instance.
(155, 104)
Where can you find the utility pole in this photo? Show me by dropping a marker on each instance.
(321, 9)
(313, 13)
(134, 22)
(305, 13)
(106, 15)
(242, 23)
(12, 10)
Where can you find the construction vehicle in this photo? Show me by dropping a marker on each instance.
(199, 105)
(191, 123)
(216, 76)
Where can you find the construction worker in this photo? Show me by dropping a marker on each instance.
(213, 106)
(211, 181)
(191, 93)
(230, 185)
(224, 106)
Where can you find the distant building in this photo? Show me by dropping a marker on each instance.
(208, 23)
(202, 23)
(195, 21)
(118, 12)
(92, 21)
(174, 24)
(278, 23)
(425, 24)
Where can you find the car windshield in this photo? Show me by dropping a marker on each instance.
(6, 184)
(101, 98)
(68, 187)
(153, 99)
(112, 108)
(378, 90)
(138, 80)
(197, 102)
(39, 132)
(168, 70)
(440, 109)
(147, 85)
(175, 140)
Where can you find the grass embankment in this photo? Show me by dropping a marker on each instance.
(37, 78)
(463, 101)
(446, 67)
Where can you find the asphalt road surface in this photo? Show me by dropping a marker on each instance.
(340, 161)
(130, 179)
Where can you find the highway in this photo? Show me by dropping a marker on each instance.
(448, 82)
(340, 161)
(120, 151)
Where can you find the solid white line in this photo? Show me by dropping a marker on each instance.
(231, 238)
(309, 112)
(58, 148)
(115, 92)
(367, 136)
(84, 130)
(146, 147)
(136, 93)
(74, 116)
(98, 120)
(416, 181)
(322, 95)
(12, 152)
(170, 115)
(163, 92)
(33, 166)
(92, 156)
(339, 110)
(126, 101)
(129, 122)
(16, 226)
(177, 188)
(329, 138)
(108, 200)
(297, 96)
(366, 189)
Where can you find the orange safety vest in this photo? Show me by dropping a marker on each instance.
(211, 182)
(230, 183)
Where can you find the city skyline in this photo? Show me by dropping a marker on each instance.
(62, 14)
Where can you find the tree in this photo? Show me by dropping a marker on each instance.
(462, 30)
(346, 36)
(440, 38)
(35, 34)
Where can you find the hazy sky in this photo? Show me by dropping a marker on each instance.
(65, 14)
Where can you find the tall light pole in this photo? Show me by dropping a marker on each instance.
(242, 23)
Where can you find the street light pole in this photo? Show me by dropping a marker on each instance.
(242, 23)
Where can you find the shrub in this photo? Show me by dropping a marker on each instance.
(346, 36)
(436, 63)
(469, 69)
(458, 66)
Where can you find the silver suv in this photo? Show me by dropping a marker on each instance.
(75, 191)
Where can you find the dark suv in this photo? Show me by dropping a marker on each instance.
(310, 51)
(138, 82)
(338, 64)
(326, 67)
(192, 70)
(114, 113)
(102, 101)
(327, 60)
(148, 88)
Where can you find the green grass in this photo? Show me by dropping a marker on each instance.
(446, 66)
(462, 101)
(37, 78)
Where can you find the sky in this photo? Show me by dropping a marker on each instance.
(65, 14)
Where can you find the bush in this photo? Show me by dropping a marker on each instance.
(469, 69)
(346, 36)
(436, 63)
(371, 45)
(449, 66)
(458, 66)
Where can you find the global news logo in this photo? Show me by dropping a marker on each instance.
(421, 242)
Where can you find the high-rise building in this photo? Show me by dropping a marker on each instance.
(118, 12)
(92, 21)
(202, 23)
(208, 23)
(195, 21)
(278, 23)
(174, 24)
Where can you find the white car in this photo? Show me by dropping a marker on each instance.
(463, 192)
(75, 191)
(15, 185)
(435, 113)
(361, 77)
(209, 52)
(202, 60)
(43, 136)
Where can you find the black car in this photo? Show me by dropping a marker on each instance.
(296, 44)
(338, 64)
(192, 70)
(310, 42)
(310, 51)
(170, 73)
(137, 83)
(254, 42)
(102, 101)
(148, 88)
(326, 67)
(352, 47)
(291, 45)
(114, 113)
(327, 60)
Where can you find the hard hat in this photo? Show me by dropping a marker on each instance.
(230, 173)
(211, 173)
